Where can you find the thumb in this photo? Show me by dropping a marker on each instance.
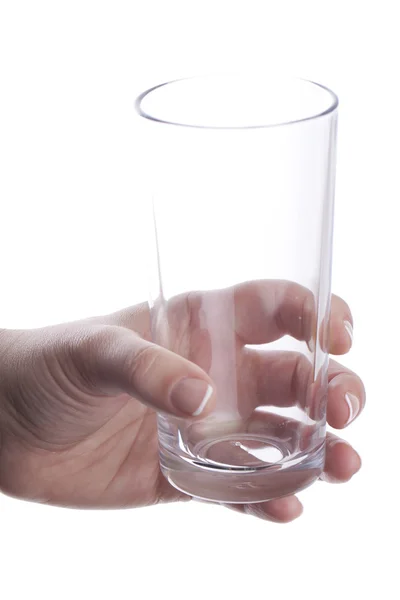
(117, 360)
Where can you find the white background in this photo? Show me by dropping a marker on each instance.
(71, 245)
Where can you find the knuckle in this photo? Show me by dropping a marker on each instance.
(308, 314)
(301, 376)
(144, 361)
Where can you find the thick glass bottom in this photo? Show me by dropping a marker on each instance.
(267, 472)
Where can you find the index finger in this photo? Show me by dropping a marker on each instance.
(267, 310)
(260, 311)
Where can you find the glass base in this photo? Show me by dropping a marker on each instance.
(268, 473)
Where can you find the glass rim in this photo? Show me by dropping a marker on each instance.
(333, 105)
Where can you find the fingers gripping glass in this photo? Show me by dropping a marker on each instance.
(240, 172)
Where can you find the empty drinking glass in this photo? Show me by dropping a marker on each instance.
(240, 178)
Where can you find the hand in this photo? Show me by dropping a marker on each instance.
(78, 402)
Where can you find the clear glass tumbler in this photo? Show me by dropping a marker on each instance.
(240, 171)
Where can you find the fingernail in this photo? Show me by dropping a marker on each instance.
(353, 404)
(349, 328)
(333, 441)
(359, 464)
(328, 478)
(190, 396)
(311, 344)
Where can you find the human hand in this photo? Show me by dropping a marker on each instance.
(78, 409)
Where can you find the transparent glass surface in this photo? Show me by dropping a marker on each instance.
(240, 181)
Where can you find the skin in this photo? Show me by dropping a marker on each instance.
(78, 401)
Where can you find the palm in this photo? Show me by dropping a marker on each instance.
(116, 465)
